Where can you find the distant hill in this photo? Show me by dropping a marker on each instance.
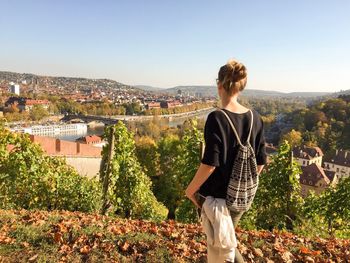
(343, 92)
(84, 83)
(71, 83)
(204, 90)
(212, 91)
(335, 94)
(148, 88)
(307, 94)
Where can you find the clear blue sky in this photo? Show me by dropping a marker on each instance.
(300, 45)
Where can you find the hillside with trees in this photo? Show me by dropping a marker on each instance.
(249, 93)
(325, 124)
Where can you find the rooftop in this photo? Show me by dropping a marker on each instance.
(341, 157)
(312, 174)
(306, 152)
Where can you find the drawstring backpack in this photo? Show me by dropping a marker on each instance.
(244, 179)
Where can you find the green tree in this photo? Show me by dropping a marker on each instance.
(331, 208)
(38, 112)
(278, 201)
(132, 108)
(129, 187)
(31, 180)
(167, 187)
(148, 156)
(188, 163)
(293, 137)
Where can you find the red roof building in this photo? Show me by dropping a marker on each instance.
(153, 105)
(26, 104)
(90, 139)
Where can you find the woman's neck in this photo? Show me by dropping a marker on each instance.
(227, 101)
(231, 104)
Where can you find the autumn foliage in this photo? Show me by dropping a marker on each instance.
(62, 236)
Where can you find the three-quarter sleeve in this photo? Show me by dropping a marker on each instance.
(213, 142)
(261, 156)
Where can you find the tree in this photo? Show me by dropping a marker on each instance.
(12, 113)
(187, 164)
(167, 187)
(151, 129)
(278, 201)
(332, 205)
(38, 112)
(132, 108)
(129, 191)
(31, 180)
(148, 156)
(293, 137)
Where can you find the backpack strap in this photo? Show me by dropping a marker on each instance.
(234, 129)
(251, 125)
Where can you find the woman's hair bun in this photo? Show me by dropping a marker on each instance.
(233, 76)
(239, 71)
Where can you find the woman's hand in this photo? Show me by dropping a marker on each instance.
(194, 201)
(202, 174)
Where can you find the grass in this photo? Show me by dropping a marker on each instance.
(258, 243)
(136, 237)
(34, 240)
(61, 236)
(34, 235)
(159, 255)
(18, 253)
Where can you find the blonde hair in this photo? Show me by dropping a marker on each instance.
(233, 77)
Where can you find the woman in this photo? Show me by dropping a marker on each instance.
(212, 176)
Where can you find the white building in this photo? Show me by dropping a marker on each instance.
(305, 155)
(340, 163)
(47, 130)
(14, 88)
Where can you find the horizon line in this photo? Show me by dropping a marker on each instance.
(161, 88)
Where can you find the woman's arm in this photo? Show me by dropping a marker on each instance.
(260, 168)
(202, 174)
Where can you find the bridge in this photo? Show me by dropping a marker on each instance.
(109, 120)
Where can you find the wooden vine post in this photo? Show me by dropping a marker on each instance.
(105, 169)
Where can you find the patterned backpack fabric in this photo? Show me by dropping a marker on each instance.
(244, 179)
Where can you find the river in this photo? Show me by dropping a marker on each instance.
(98, 130)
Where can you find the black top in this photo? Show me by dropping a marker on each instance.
(221, 147)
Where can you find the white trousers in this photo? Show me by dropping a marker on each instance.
(219, 255)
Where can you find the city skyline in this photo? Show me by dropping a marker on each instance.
(286, 47)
